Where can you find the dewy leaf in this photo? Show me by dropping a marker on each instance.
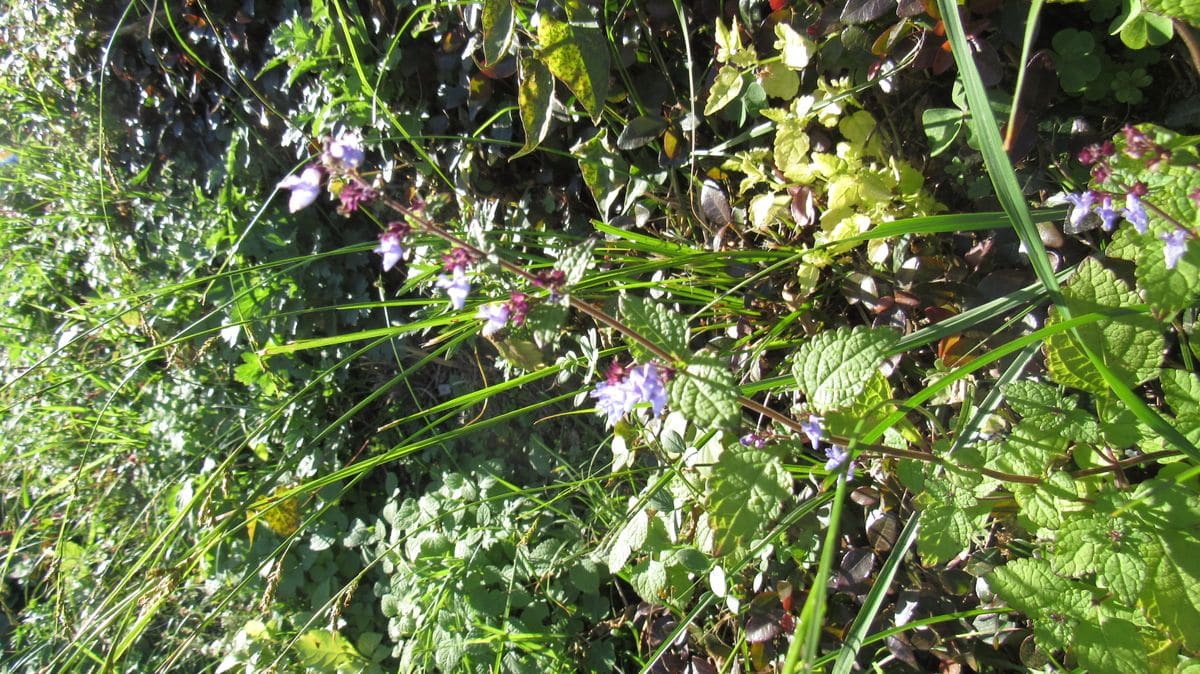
(1167, 290)
(654, 321)
(747, 492)
(576, 51)
(648, 579)
(1115, 549)
(1044, 408)
(1113, 645)
(706, 394)
(535, 98)
(1130, 346)
(834, 367)
(498, 24)
(725, 89)
(951, 519)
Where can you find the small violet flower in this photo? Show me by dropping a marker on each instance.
(1082, 206)
(390, 244)
(753, 440)
(305, 187)
(553, 280)
(647, 385)
(613, 400)
(1135, 213)
(1175, 245)
(457, 288)
(838, 457)
(458, 258)
(390, 249)
(347, 149)
(623, 389)
(496, 315)
(813, 429)
(1108, 216)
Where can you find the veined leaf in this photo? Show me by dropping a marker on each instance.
(1131, 346)
(835, 366)
(747, 492)
(499, 20)
(706, 394)
(654, 321)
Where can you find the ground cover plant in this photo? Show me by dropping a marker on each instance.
(600, 336)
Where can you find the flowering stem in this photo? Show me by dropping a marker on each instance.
(602, 317)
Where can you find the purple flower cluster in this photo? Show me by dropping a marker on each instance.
(838, 457)
(1101, 204)
(341, 159)
(624, 388)
(337, 170)
(1137, 145)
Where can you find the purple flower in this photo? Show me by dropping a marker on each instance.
(753, 440)
(646, 383)
(305, 187)
(496, 315)
(623, 389)
(1082, 206)
(456, 288)
(1136, 142)
(518, 304)
(352, 194)
(390, 248)
(1135, 213)
(458, 258)
(1108, 216)
(838, 457)
(613, 400)
(813, 429)
(1175, 245)
(347, 149)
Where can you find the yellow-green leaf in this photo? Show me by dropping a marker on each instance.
(576, 51)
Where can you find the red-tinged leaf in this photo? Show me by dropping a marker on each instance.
(777, 5)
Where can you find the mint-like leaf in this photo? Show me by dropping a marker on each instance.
(835, 366)
(656, 322)
(706, 394)
(1130, 346)
(747, 491)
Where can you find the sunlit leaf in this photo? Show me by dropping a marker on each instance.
(576, 51)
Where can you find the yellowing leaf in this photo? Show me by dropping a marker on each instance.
(576, 51)
(725, 89)
(535, 98)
